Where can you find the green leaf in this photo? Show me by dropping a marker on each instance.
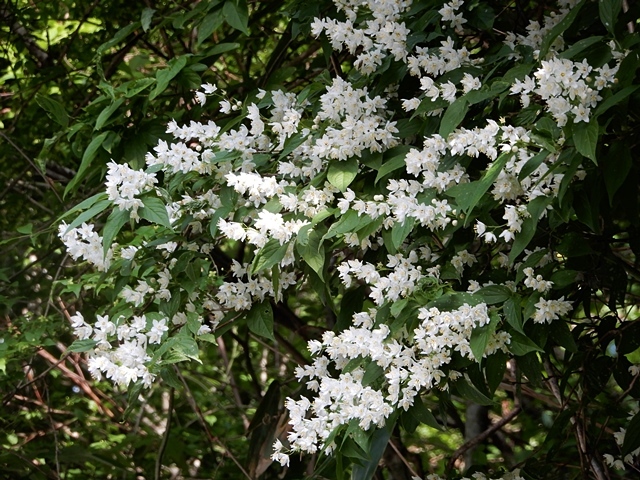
(467, 391)
(155, 211)
(90, 213)
(80, 346)
(349, 222)
(480, 337)
(493, 294)
(186, 346)
(379, 441)
(209, 24)
(529, 225)
(520, 344)
(396, 161)
(137, 86)
(88, 156)
(453, 116)
(467, 195)
(632, 437)
(114, 223)
(268, 256)
(400, 231)
(236, 15)
(260, 320)
(165, 75)
(609, 10)
(585, 138)
(614, 100)
(106, 113)
(88, 203)
(25, 230)
(312, 252)
(560, 333)
(513, 314)
(533, 163)
(117, 38)
(54, 109)
(342, 173)
(145, 18)
(495, 366)
(580, 46)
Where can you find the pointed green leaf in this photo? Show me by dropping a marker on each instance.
(155, 211)
(114, 223)
(106, 113)
(268, 256)
(164, 76)
(145, 18)
(342, 173)
(88, 156)
(236, 15)
(312, 252)
(453, 116)
(467, 195)
(260, 320)
(585, 138)
(609, 10)
(54, 109)
(90, 213)
(209, 24)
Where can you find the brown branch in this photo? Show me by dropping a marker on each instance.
(32, 163)
(78, 380)
(232, 382)
(212, 439)
(482, 437)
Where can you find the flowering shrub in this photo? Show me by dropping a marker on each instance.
(434, 194)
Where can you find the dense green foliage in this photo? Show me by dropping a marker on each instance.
(87, 83)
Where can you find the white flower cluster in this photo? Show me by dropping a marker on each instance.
(380, 34)
(449, 15)
(537, 283)
(240, 295)
(124, 183)
(536, 33)
(565, 87)
(549, 310)
(410, 365)
(434, 63)
(84, 242)
(400, 282)
(355, 123)
(268, 225)
(125, 363)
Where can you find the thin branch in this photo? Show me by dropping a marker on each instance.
(404, 460)
(212, 439)
(165, 435)
(32, 163)
(482, 437)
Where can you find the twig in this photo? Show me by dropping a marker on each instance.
(581, 437)
(203, 423)
(483, 436)
(404, 460)
(31, 162)
(165, 435)
(232, 382)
